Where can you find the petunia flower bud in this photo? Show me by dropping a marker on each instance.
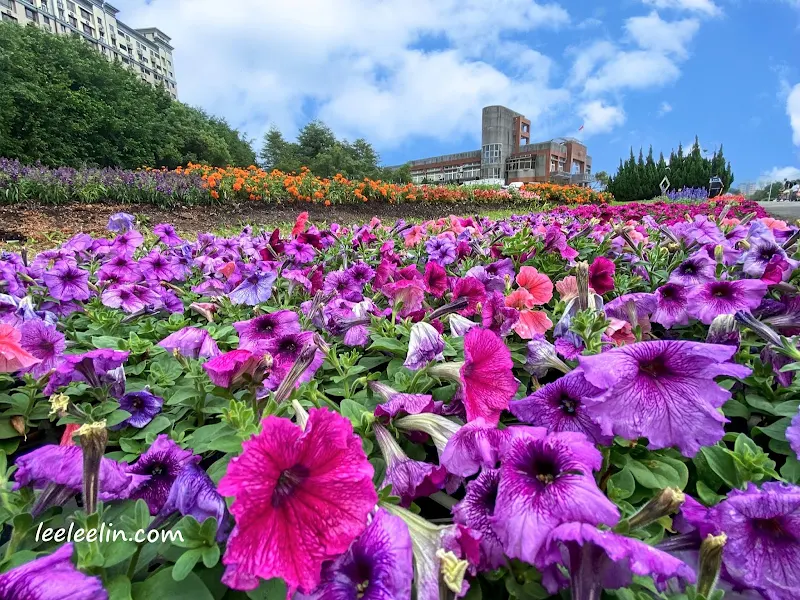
(426, 345)
(204, 309)
(301, 414)
(723, 330)
(710, 563)
(765, 332)
(454, 306)
(453, 570)
(93, 438)
(299, 367)
(719, 254)
(582, 277)
(459, 326)
(438, 427)
(667, 502)
(18, 423)
(542, 357)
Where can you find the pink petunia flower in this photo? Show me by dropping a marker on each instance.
(520, 299)
(567, 288)
(300, 499)
(13, 357)
(532, 322)
(485, 376)
(538, 284)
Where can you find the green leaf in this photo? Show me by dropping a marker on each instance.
(227, 443)
(791, 470)
(621, 485)
(107, 341)
(117, 417)
(157, 425)
(272, 589)
(388, 345)
(211, 556)
(656, 474)
(759, 403)
(776, 431)
(721, 462)
(734, 408)
(352, 410)
(161, 585)
(119, 588)
(185, 564)
(708, 496)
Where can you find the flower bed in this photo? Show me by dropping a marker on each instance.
(198, 184)
(462, 407)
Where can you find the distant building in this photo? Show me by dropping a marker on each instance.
(146, 52)
(507, 154)
(748, 188)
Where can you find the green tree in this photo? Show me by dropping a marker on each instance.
(63, 103)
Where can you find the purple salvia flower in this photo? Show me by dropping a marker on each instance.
(52, 577)
(426, 345)
(377, 566)
(546, 480)
(662, 390)
(558, 406)
(191, 342)
(66, 282)
(724, 297)
(162, 462)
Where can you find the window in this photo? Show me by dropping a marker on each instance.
(88, 30)
(85, 14)
(73, 21)
(125, 60)
(9, 18)
(71, 6)
(46, 20)
(491, 153)
(32, 14)
(61, 14)
(9, 4)
(63, 28)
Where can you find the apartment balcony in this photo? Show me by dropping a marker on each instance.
(580, 178)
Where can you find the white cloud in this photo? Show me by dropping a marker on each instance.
(793, 110)
(357, 63)
(706, 7)
(651, 32)
(665, 108)
(638, 69)
(599, 117)
(779, 174)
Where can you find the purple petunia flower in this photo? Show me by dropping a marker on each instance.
(546, 480)
(763, 528)
(255, 289)
(555, 240)
(127, 243)
(558, 406)
(44, 342)
(723, 297)
(397, 403)
(761, 253)
(194, 494)
(266, 327)
(599, 560)
(300, 252)
(696, 269)
(361, 273)
(672, 300)
(191, 342)
(475, 446)
(476, 511)
(130, 297)
(121, 222)
(343, 284)
(498, 317)
(410, 479)
(167, 235)
(52, 577)
(542, 357)
(67, 282)
(143, 406)
(793, 434)
(426, 345)
(285, 351)
(441, 250)
(158, 267)
(120, 269)
(377, 566)
(162, 462)
(662, 390)
(95, 367)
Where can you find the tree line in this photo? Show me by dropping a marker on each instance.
(639, 179)
(64, 104)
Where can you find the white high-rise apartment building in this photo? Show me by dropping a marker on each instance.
(146, 52)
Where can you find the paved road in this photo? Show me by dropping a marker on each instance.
(788, 211)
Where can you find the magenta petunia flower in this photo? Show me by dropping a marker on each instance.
(67, 282)
(285, 351)
(410, 479)
(343, 284)
(121, 268)
(476, 511)
(725, 297)
(191, 342)
(601, 275)
(228, 370)
(435, 279)
(474, 292)
(44, 342)
(498, 317)
(486, 375)
(52, 577)
(603, 560)
(662, 390)
(377, 566)
(546, 480)
(300, 499)
(672, 300)
(406, 293)
(558, 406)
(763, 546)
(266, 327)
(556, 241)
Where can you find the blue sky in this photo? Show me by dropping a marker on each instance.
(411, 76)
